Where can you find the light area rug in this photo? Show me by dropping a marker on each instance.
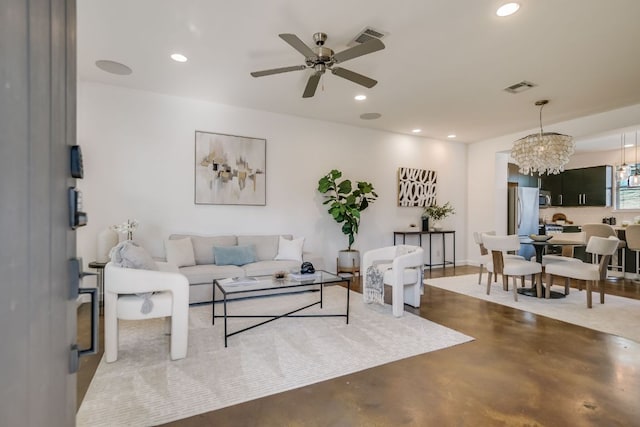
(619, 316)
(144, 387)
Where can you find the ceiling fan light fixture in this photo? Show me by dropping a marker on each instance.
(507, 9)
(543, 152)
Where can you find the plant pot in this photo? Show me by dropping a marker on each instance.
(437, 226)
(348, 261)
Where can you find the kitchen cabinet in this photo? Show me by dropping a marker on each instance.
(580, 187)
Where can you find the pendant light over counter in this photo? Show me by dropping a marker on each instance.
(634, 180)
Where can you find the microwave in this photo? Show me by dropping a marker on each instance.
(544, 199)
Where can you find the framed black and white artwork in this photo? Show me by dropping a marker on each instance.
(230, 169)
(416, 187)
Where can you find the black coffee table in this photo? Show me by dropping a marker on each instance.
(261, 286)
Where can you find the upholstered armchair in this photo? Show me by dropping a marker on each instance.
(402, 270)
(124, 299)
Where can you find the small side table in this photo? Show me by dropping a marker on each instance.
(100, 281)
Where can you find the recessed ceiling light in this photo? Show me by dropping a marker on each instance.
(416, 130)
(178, 57)
(113, 67)
(451, 136)
(507, 9)
(629, 145)
(360, 97)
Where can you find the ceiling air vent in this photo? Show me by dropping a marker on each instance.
(520, 87)
(365, 35)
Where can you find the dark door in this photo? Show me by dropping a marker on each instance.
(37, 123)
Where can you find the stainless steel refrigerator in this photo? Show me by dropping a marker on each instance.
(523, 215)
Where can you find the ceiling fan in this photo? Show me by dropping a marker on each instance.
(322, 59)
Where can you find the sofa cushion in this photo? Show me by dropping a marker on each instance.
(180, 252)
(234, 255)
(203, 245)
(260, 268)
(266, 245)
(290, 249)
(198, 274)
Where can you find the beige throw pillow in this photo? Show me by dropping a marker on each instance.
(180, 252)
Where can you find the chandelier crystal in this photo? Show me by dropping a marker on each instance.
(543, 152)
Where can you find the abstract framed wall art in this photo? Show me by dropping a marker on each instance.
(416, 187)
(230, 169)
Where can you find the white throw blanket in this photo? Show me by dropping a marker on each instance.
(373, 288)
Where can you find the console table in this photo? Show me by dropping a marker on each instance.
(419, 234)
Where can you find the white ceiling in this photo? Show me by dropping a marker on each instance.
(444, 68)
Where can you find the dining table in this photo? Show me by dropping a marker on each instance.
(539, 246)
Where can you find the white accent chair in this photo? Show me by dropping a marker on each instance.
(170, 300)
(599, 246)
(499, 245)
(403, 271)
(568, 242)
(485, 256)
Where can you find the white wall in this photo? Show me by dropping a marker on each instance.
(487, 163)
(138, 151)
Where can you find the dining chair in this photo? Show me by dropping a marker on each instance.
(568, 241)
(582, 271)
(485, 256)
(605, 230)
(632, 233)
(499, 245)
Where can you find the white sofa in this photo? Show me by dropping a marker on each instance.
(205, 269)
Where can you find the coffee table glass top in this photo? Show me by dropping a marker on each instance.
(235, 285)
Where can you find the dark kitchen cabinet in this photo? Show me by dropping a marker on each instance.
(580, 187)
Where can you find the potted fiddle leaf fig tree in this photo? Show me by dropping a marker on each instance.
(346, 201)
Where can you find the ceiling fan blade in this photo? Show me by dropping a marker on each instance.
(278, 70)
(312, 85)
(354, 77)
(370, 46)
(298, 45)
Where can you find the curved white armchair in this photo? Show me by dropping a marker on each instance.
(402, 266)
(170, 299)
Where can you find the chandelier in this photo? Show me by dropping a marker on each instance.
(542, 152)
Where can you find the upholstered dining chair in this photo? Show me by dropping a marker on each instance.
(568, 242)
(498, 245)
(485, 256)
(632, 233)
(605, 230)
(166, 290)
(402, 269)
(581, 271)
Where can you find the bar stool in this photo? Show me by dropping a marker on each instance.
(605, 230)
(633, 243)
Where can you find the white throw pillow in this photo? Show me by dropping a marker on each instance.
(180, 252)
(290, 249)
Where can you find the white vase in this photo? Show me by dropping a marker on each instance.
(107, 239)
(437, 226)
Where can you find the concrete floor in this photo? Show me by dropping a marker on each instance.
(522, 369)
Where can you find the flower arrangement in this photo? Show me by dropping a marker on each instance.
(128, 227)
(438, 212)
